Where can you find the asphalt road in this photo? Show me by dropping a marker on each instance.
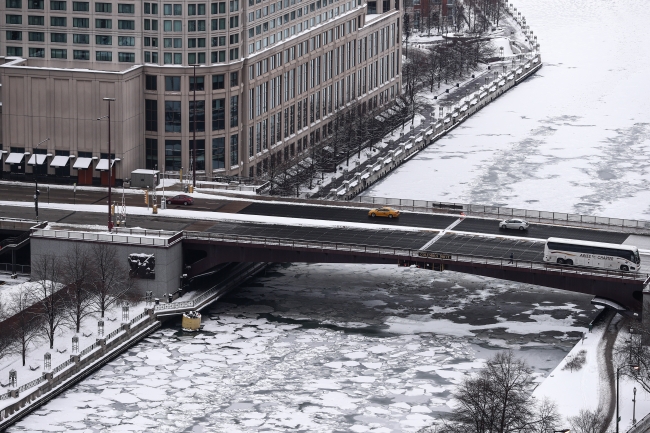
(20, 192)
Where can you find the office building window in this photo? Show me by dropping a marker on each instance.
(58, 5)
(15, 51)
(234, 111)
(37, 52)
(81, 39)
(234, 54)
(81, 54)
(37, 37)
(14, 36)
(218, 8)
(35, 4)
(200, 84)
(197, 116)
(14, 19)
(82, 23)
(234, 150)
(151, 114)
(126, 57)
(200, 154)
(123, 8)
(151, 153)
(218, 153)
(234, 79)
(151, 82)
(103, 40)
(33, 20)
(103, 24)
(218, 56)
(14, 4)
(126, 24)
(172, 116)
(58, 37)
(172, 155)
(103, 7)
(59, 54)
(81, 6)
(217, 82)
(218, 114)
(58, 21)
(104, 56)
(172, 84)
(126, 41)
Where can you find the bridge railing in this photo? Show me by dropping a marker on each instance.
(129, 236)
(441, 256)
(508, 212)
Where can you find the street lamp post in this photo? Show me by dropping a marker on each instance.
(634, 407)
(618, 370)
(110, 166)
(36, 192)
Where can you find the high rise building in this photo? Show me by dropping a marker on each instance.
(253, 81)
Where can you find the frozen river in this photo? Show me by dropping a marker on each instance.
(322, 348)
(343, 348)
(573, 138)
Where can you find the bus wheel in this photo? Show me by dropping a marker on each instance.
(569, 262)
(560, 261)
(624, 268)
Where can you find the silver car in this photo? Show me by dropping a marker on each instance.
(516, 224)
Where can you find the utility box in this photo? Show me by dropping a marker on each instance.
(142, 178)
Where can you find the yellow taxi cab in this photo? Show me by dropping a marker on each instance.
(385, 211)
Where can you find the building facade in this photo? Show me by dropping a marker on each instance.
(254, 83)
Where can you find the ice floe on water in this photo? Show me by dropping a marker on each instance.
(321, 348)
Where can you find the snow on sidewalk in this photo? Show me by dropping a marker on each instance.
(575, 390)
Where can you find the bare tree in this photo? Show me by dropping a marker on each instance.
(46, 270)
(7, 343)
(497, 400)
(635, 350)
(25, 327)
(587, 422)
(110, 280)
(77, 276)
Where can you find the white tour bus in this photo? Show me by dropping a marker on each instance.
(593, 254)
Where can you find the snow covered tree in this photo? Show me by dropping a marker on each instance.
(24, 327)
(635, 350)
(76, 276)
(51, 308)
(109, 282)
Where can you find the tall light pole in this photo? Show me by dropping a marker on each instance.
(618, 369)
(110, 166)
(634, 407)
(36, 192)
(194, 131)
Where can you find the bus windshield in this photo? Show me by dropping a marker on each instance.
(637, 259)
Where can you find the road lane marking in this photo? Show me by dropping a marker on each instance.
(442, 233)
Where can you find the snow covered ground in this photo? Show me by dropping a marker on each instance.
(323, 348)
(573, 138)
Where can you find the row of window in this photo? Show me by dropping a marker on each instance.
(173, 83)
(199, 58)
(196, 115)
(295, 29)
(122, 41)
(35, 20)
(293, 118)
(100, 56)
(173, 153)
(58, 5)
